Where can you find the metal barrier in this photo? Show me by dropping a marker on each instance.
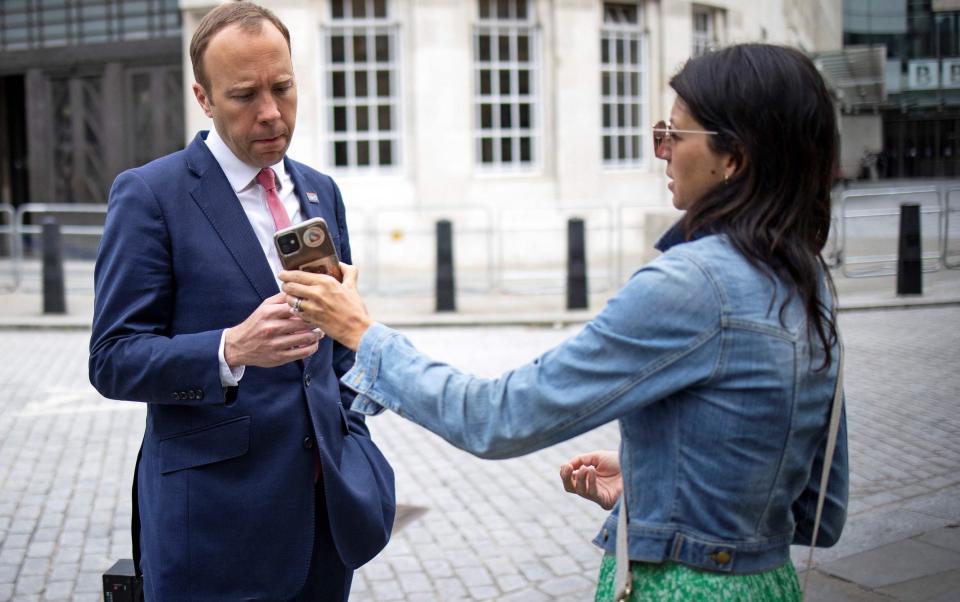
(8, 228)
(514, 225)
(885, 263)
(951, 202)
(409, 238)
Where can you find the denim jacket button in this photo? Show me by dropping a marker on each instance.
(606, 535)
(721, 557)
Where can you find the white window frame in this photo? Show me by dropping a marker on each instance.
(513, 28)
(369, 27)
(626, 86)
(704, 39)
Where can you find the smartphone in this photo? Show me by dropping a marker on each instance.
(308, 246)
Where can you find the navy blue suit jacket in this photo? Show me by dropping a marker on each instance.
(226, 475)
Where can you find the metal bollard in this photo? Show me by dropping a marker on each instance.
(446, 300)
(576, 264)
(54, 291)
(910, 253)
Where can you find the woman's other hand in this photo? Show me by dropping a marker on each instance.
(335, 308)
(595, 476)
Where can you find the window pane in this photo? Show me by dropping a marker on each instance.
(606, 116)
(340, 119)
(622, 146)
(484, 9)
(486, 85)
(383, 83)
(360, 83)
(523, 49)
(386, 152)
(340, 154)
(503, 48)
(383, 49)
(521, 9)
(605, 83)
(486, 116)
(634, 84)
(337, 7)
(607, 148)
(503, 9)
(359, 49)
(636, 146)
(359, 8)
(634, 59)
(525, 120)
(524, 83)
(620, 58)
(505, 117)
(339, 84)
(605, 51)
(635, 115)
(621, 114)
(526, 155)
(486, 150)
(506, 150)
(383, 118)
(621, 84)
(380, 9)
(504, 81)
(337, 52)
(363, 119)
(363, 152)
(484, 47)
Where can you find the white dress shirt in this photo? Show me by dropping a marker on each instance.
(253, 198)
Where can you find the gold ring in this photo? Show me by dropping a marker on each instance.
(296, 305)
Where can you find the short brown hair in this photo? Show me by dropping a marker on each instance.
(247, 15)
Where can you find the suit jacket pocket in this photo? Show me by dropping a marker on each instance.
(206, 445)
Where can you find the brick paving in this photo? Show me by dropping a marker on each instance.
(491, 530)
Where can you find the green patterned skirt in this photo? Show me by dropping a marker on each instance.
(671, 581)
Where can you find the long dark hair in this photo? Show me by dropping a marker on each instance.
(774, 115)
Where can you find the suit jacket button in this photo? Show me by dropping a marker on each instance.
(307, 443)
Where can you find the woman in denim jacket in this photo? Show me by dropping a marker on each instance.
(718, 359)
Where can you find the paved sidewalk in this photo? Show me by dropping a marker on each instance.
(493, 530)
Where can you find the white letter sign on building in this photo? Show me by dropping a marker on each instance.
(923, 75)
(950, 73)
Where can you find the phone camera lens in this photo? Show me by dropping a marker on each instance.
(289, 243)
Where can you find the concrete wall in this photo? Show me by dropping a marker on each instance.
(437, 164)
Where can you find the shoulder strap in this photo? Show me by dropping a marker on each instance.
(835, 412)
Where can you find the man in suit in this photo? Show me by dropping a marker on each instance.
(254, 481)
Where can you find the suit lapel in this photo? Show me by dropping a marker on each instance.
(221, 207)
(313, 201)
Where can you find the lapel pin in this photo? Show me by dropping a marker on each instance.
(312, 197)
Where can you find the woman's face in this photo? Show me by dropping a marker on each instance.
(692, 166)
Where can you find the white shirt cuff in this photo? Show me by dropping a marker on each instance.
(229, 377)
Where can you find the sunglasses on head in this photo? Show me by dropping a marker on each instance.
(663, 131)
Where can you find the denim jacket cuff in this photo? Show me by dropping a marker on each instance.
(362, 376)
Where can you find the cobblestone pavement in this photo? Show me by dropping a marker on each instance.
(491, 530)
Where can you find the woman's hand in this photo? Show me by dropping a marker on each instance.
(595, 476)
(335, 308)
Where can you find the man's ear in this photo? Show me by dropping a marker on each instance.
(203, 99)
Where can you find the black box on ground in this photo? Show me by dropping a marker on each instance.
(120, 583)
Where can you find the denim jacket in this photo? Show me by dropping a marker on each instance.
(723, 415)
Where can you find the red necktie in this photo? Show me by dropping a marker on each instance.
(268, 180)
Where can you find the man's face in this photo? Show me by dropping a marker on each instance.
(252, 96)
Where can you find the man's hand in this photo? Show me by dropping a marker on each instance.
(270, 337)
(595, 476)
